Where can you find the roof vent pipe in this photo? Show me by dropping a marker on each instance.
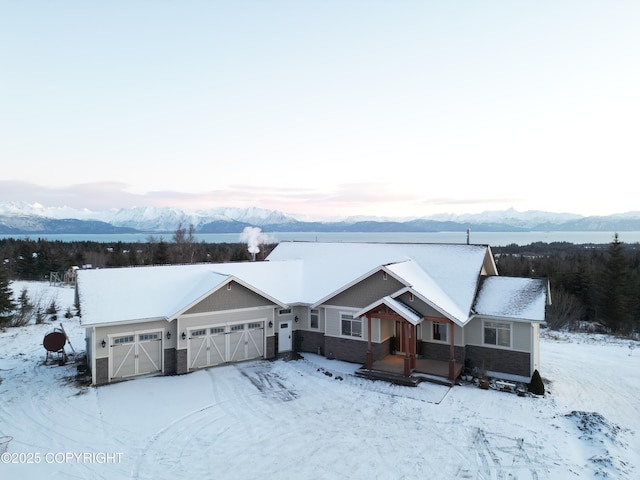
(468, 235)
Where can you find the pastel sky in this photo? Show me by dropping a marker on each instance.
(322, 108)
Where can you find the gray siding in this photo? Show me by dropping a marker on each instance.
(419, 306)
(367, 291)
(238, 297)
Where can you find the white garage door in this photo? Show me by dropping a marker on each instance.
(225, 343)
(135, 354)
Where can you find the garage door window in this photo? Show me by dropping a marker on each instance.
(122, 340)
(149, 336)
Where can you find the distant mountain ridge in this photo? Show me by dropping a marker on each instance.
(21, 218)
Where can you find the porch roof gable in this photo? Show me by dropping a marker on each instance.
(406, 312)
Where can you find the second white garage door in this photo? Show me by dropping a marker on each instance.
(213, 345)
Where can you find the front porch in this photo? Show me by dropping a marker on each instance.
(407, 364)
(392, 369)
(395, 364)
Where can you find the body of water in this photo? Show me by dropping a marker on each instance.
(482, 238)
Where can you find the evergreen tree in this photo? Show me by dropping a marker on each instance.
(161, 254)
(24, 310)
(7, 305)
(614, 307)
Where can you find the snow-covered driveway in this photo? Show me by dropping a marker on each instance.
(312, 418)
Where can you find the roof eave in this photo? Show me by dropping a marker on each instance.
(505, 318)
(126, 321)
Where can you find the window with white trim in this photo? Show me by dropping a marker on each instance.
(284, 311)
(440, 331)
(314, 319)
(497, 333)
(351, 327)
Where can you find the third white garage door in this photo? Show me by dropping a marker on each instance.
(213, 345)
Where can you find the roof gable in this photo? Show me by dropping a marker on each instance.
(406, 312)
(445, 276)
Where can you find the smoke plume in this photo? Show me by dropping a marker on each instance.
(253, 237)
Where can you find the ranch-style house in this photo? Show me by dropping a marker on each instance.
(429, 308)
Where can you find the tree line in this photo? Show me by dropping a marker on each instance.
(596, 283)
(26, 259)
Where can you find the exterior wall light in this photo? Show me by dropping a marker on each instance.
(270, 324)
(168, 335)
(184, 336)
(296, 318)
(104, 344)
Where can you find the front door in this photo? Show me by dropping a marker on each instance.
(284, 337)
(403, 338)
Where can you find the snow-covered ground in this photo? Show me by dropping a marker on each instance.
(312, 418)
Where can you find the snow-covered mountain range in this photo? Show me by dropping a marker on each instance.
(25, 218)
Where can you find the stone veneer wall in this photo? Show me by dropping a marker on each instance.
(440, 351)
(353, 350)
(170, 358)
(381, 350)
(271, 347)
(102, 371)
(182, 365)
(499, 360)
(305, 341)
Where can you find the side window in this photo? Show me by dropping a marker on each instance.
(440, 331)
(351, 327)
(497, 333)
(314, 319)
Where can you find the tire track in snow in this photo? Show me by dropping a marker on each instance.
(232, 402)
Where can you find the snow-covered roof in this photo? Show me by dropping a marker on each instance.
(295, 273)
(444, 275)
(510, 297)
(454, 304)
(159, 292)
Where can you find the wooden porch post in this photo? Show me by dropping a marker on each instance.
(413, 340)
(369, 348)
(452, 354)
(407, 355)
